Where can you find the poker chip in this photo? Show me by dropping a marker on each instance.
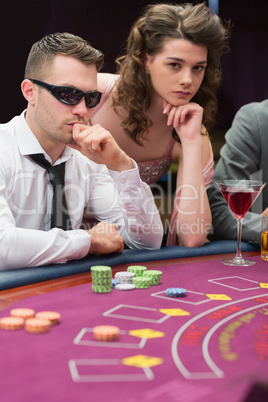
(115, 282)
(11, 323)
(154, 275)
(37, 326)
(141, 282)
(106, 333)
(23, 313)
(125, 286)
(101, 288)
(52, 316)
(138, 270)
(103, 281)
(124, 276)
(101, 278)
(175, 292)
(101, 271)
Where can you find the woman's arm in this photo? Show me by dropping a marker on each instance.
(193, 218)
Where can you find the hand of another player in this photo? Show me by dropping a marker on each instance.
(186, 119)
(105, 239)
(98, 144)
(265, 212)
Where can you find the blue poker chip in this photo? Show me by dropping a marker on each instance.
(175, 292)
(115, 282)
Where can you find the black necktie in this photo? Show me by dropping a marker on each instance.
(60, 216)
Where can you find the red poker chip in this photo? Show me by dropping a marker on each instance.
(37, 326)
(52, 316)
(106, 333)
(24, 313)
(11, 323)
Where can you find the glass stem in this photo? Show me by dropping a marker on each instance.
(239, 233)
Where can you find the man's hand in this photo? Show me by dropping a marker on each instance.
(105, 239)
(99, 145)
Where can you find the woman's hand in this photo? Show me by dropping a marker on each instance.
(186, 120)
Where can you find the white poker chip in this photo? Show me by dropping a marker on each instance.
(124, 274)
(125, 286)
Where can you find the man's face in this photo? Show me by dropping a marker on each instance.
(54, 120)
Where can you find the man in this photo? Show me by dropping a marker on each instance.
(244, 156)
(60, 87)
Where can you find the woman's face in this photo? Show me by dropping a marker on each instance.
(177, 71)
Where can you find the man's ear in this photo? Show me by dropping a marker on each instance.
(28, 91)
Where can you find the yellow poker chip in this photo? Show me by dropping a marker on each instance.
(11, 323)
(106, 333)
(24, 313)
(52, 316)
(37, 326)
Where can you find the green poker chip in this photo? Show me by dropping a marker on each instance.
(141, 282)
(101, 288)
(101, 271)
(138, 270)
(102, 281)
(154, 275)
(101, 278)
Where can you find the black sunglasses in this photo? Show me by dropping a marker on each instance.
(69, 95)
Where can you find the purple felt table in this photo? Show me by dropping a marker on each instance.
(211, 345)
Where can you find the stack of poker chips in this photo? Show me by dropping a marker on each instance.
(144, 278)
(106, 333)
(138, 270)
(124, 280)
(175, 292)
(142, 282)
(124, 277)
(154, 275)
(139, 280)
(101, 279)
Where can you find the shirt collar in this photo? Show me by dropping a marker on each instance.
(28, 144)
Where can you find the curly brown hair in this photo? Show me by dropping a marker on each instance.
(160, 22)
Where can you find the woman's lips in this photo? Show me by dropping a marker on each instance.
(182, 93)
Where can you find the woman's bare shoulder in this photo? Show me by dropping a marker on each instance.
(103, 78)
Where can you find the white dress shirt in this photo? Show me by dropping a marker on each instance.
(26, 239)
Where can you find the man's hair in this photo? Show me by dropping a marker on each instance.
(149, 33)
(44, 51)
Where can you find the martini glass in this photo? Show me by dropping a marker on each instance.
(240, 195)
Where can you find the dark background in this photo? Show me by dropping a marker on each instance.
(106, 23)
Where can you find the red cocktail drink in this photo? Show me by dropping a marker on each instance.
(240, 201)
(240, 195)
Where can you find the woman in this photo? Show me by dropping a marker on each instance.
(162, 103)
